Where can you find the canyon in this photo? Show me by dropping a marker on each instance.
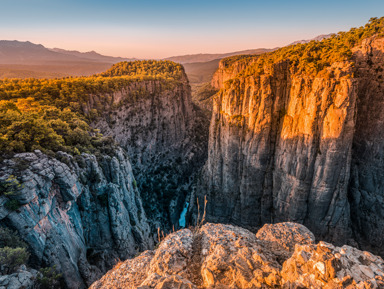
(82, 213)
(296, 144)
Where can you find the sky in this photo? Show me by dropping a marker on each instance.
(158, 29)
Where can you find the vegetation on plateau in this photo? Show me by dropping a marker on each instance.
(313, 57)
(147, 68)
(49, 114)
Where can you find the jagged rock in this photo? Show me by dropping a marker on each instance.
(326, 266)
(80, 215)
(287, 146)
(166, 282)
(281, 238)
(286, 235)
(225, 256)
(232, 257)
(21, 279)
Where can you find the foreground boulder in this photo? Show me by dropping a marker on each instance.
(223, 256)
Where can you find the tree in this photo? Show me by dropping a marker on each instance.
(12, 258)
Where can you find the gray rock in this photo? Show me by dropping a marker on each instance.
(23, 279)
(78, 218)
(165, 138)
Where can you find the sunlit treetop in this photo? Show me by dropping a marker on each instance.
(162, 69)
(49, 115)
(313, 57)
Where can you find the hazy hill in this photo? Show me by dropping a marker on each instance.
(199, 72)
(205, 57)
(92, 55)
(317, 38)
(25, 59)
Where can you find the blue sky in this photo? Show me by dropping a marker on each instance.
(156, 29)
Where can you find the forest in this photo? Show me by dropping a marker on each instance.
(46, 114)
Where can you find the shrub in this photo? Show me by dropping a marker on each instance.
(9, 238)
(10, 186)
(12, 205)
(12, 258)
(48, 278)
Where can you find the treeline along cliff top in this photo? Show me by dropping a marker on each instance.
(47, 114)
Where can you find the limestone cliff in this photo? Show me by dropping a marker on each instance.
(84, 212)
(291, 146)
(366, 186)
(223, 256)
(78, 213)
(165, 137)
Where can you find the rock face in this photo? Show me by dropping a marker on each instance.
(225, 256)
(366, 189)
(22, 279)
(79, 214)
(165, 137)
(300, 148)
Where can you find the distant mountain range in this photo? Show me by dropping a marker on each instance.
(318, 38)
(205, 57)
(91, 55)
(25, 59)
(27, 53)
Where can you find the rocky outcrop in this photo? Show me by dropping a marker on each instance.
(287, 146)
(22, 279)
(165, 137)
(225, 256)
(78, 213)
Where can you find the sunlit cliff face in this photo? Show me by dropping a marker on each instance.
(301, 145)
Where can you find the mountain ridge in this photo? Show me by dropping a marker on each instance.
(26, 52)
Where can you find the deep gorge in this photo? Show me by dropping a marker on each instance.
(284, 143)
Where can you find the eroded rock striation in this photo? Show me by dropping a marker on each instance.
(291, 146)
(78, 213)
(165, 136)
(225, 256)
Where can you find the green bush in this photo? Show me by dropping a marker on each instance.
(163, 69)
(12, 258)
(48, 278)
(10, 186)
(12, 205)
(9, 238)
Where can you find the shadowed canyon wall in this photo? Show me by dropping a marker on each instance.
(84, 212)
(165, 136)
(79, 214)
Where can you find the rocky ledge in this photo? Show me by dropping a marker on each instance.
(283, 255)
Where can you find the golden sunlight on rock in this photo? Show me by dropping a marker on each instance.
(219, 256)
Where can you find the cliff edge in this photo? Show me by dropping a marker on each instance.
(283, 255)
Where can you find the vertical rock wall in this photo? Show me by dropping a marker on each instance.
(291, 147)
(79, 214)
